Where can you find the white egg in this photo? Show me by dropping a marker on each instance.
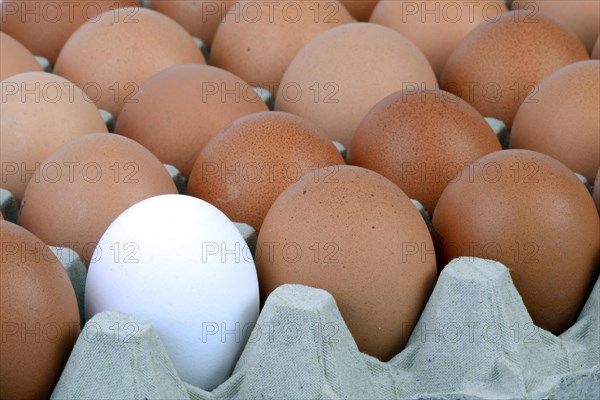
(181, 263)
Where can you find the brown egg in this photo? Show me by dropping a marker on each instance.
(339, 76)
(596, 50)
(483, 70)
(44, 26)
(244, 168)
(39, 315)
(436, 27)
(84, 185)
(560, 118)
(582, 17)
(257, 40)
(420, 140)
(200, 18)
(178, 110)
(1, 216)
(15, 58)
(531, 213)
(360, 9)
(354, 233)
(596, 193)
(40, 112)
(111, 57)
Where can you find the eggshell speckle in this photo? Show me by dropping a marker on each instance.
(15, 58)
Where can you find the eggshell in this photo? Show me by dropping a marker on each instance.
(531, 213)
(421, 140)
(44, 26)
(40, 112)
(560, 118)
(596, 193)
(184, 266)
(84, 185)
(258, 39)
(111, 57)
(179, 109)
(354, 233)
(332, 81)
(483, 71)
(360, 9)
(436, 27)
(39, 315)
(596, 50)
(15, 58)
(245, 167)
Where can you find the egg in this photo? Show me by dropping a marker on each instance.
(596, 192)
(420, 140)
(596, 50)
(257, 40)
(39, 315)
(246, 166)
(560, 118)
(531, 213)
(332, 80)
(84, 185)
(178, 110)
(180, 263)
(110, 58)
(44, 26)
(360, 9)
(354, 233)
(483, 69)
(15, 58)
(436, 27)
(40, 112)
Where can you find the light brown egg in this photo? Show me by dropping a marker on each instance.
(360, 9)
(531, 213)
(596, 193)
(84, 185)
(560, 118)
(111, 57)
(340, 75)
(178, 110)
(596, 50)
(483, 69)
(15, 58)
(40, 112)
(257, 40)
(436, 27)
(354, 233)
(246, 166)
(38, 314)
(44, 26)
(421, 140)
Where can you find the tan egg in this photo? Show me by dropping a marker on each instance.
(15, 58)
(1, 216)
(40, 112)
(38, 314)
(246, 166)
(596, 193)
(257, 40)
(560, 118)
(354, 233)
(420, 141)
(84, 185)
(200, 18)
(178, 110)
(360, 9)
(111, 57)
(436, 27)
(44, 26)
(582, 17)
(339, 76)
(531, 213)
(596, 50)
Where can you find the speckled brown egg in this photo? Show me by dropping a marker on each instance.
(111, 57)
(84, 185)
(354, 233)
(596, 50)
(257, 40)
(531, 213)
(596, 192)
(38, 315)
(15, 58)
(560, 118)
(339, 76)
(44, 26)
(245, 167)
(40, 112)
(484, 70)
(421, 140)
(178, 110)
(436, 27)
(360, 9)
